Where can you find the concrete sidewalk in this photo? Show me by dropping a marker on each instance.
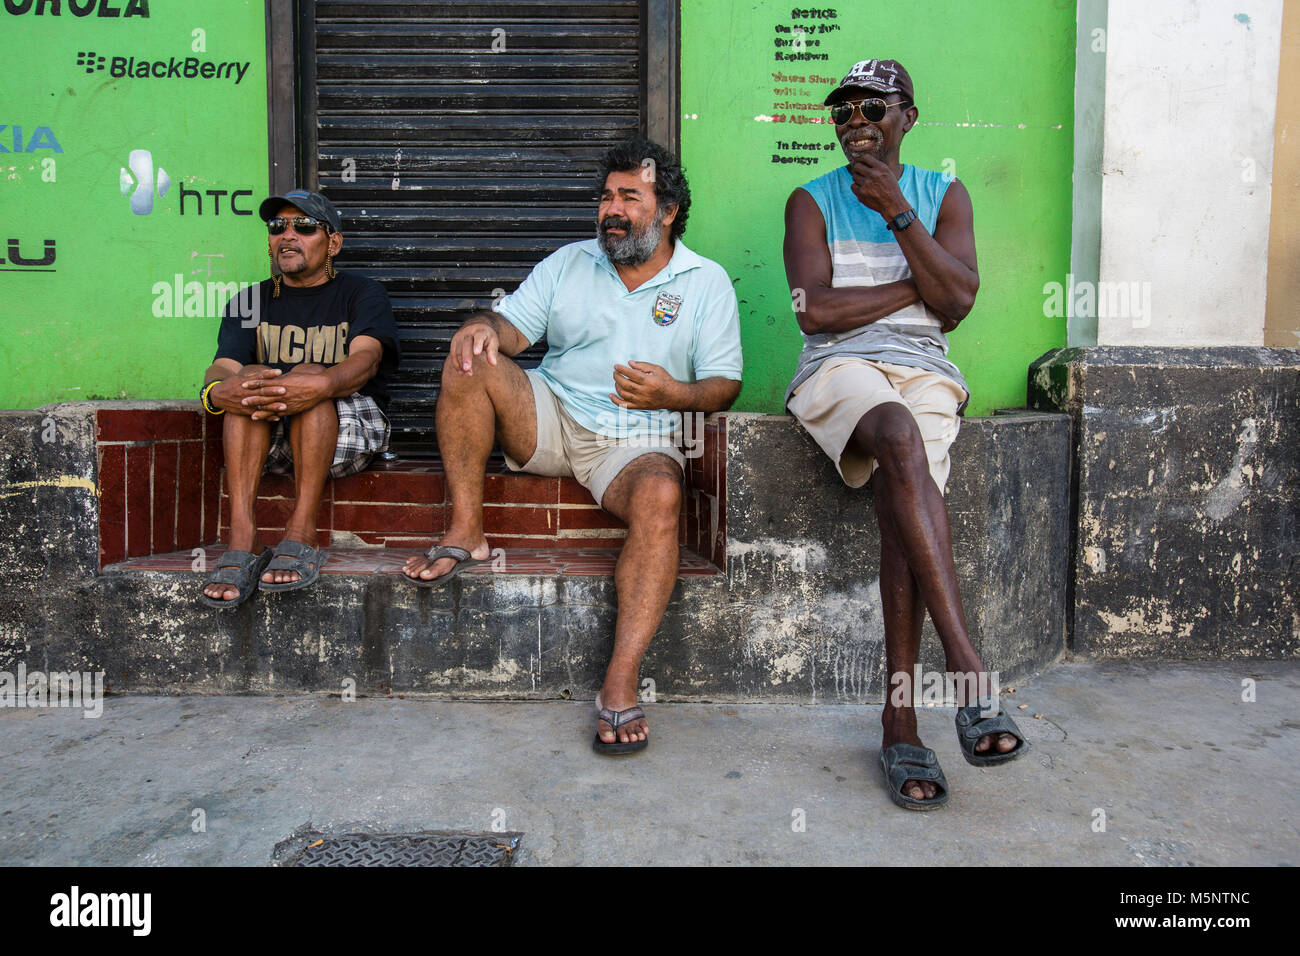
(1186, 772)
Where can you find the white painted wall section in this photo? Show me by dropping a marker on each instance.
(1191, 96)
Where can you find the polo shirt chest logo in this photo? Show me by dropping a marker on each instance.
(667, 308)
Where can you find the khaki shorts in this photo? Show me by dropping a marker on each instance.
(566, 449)
(833, 400)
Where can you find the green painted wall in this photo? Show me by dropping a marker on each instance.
(995, 90)
(88, 329)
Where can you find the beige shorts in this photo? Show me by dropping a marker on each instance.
(567, 449)
(833, 400)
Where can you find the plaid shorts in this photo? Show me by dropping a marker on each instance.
(363, 433)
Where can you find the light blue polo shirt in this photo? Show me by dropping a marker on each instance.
(685, 319)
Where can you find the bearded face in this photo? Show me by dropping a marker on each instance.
(627, 243)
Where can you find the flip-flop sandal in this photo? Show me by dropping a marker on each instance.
(295, 556)
(615, 719)
(462, 558)
(904, 762)
(239, 570)
(971, 727)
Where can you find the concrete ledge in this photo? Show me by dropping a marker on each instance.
(796, 617)
(49, 494)
(1186, 477)
(803, 551)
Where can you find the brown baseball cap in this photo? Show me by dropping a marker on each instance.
(882, 76)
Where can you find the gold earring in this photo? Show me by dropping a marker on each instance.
(329, 265)
(275, 278)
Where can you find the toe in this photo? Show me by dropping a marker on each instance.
(419, 567)
(920, 789)
(983, 744)
(434, 569)
(1007, 743)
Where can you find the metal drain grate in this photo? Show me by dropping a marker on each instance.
(400, 849)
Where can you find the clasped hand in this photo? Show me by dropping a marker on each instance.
(269, 394)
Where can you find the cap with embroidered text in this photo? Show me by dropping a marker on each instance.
(881, 76)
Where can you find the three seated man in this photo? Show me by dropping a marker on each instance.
(641, 330)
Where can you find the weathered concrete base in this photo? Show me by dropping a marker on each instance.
(49, 527)
(804, 550)
(1187, 476)
(48, 494)
(795, 616)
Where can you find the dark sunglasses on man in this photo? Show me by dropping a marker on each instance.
(302, 225)
(873, 110)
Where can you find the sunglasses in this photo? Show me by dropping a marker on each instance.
(302, 225)
(873, 111)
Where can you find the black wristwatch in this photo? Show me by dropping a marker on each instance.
(902, 220)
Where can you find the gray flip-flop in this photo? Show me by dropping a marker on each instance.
(239, 570)
(615, 719)
(462, 558)
(295, 556)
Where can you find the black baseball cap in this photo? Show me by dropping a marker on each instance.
(882, 76)
(313, 204)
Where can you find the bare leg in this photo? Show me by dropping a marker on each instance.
(912, 512)
(245, 443)
(312, 437)
(900, 599)
(495, 400)
(647, 496)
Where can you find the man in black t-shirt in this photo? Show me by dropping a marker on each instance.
(302, 386)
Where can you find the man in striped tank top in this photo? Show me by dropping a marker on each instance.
(880, 259)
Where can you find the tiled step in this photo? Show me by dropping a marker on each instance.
(403, 504)
(515, 561)
(162, 489)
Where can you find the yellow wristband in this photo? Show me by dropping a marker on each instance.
(208, 406)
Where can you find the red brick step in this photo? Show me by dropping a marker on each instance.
(162, 490)
(403, 504)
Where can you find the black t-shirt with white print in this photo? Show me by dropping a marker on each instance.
(313, 324)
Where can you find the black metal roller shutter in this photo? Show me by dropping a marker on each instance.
(458, 168)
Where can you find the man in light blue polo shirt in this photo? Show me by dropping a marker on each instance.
(639, 330)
